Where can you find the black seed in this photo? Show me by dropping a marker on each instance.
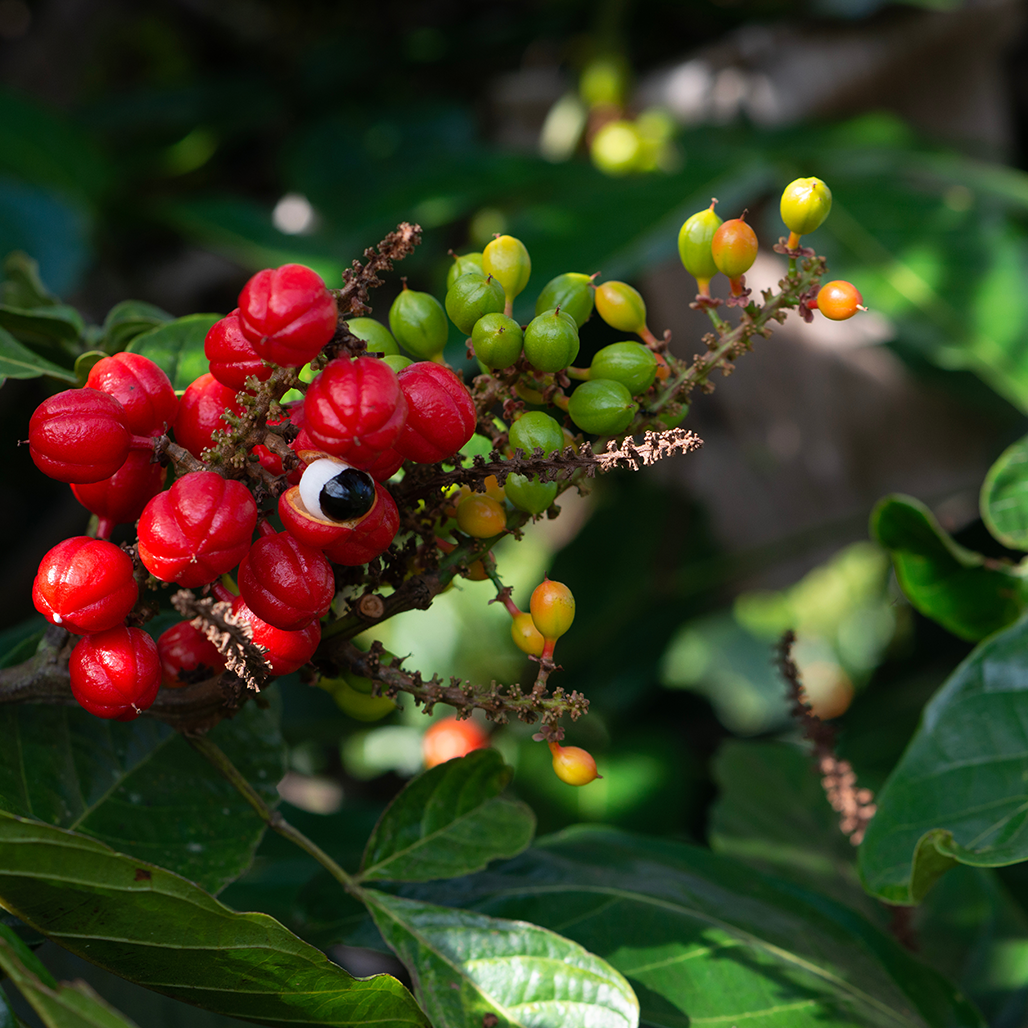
(351, 494)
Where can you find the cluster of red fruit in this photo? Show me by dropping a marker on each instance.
(357, 423)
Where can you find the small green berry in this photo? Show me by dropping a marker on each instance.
(529, 494)
(465, 264)
(418, 323)
(471, 297)
(536, 429)
(602, 407)
(397, 361)
(694, 239)
(375, 334)
(621, 306)
(497, 340)
(571, 292)
(507, 260)
(551, 341)
(805, 204)
(630, 363)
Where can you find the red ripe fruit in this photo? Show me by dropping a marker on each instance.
(449, 738)
(355, 409)
(441, 416)
(284, 652)
(115, 674)
(287, 314)
(197, 530)
(232, 359)
(199, 413)
(286, 583)
(85, 585)
(79, 435)
(122, 497)
(384, 466)
(187, 656)
(141, 387)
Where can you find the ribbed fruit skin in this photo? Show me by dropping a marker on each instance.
(115, 674)
(200, 413)
(231, 355)
(284, 652)
(441, 416)
(79, 435)
(141, 387)
(285, 582)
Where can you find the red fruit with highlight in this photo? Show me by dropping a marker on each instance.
(79, 435)
(187, 656)
(286, 583)
(449, 738)
(231, 356)
(85, 585)
(141, 387)
(355, 409)
(287, 314)
(441, 416)
(121, 498)
(115, 674)
(197, 530)
(200, 413)
(370, 537)
(284, 652)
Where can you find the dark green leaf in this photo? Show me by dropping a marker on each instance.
(449, 821)
(15, 640)
(160, 931)
(704, 939)
(467, 966)
(7, 1018)
(73, 1005)
(85, 362)
(1004, 499)
(129, 319)
(22, 286)
(17, 361)
(177, 347)
(46, 326)
(968, 594)
(772, 812)
(138, 786)
(958, 793)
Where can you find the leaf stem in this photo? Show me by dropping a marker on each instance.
(272, 818)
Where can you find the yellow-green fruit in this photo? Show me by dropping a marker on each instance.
(604, 81)
(630, 363)
(378, 338)
(358, 704)
(507, 260)
(481, 516)
(465, 264)
(525, 635)
(621, 306)
(573, 765)
(572, 292)
(418, 323)
(553, 608)
(617, 148)
(805, 204)
(694, 245)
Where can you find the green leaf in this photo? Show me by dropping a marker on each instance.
(772, 812)
(139, 787)
(704, 939)
(1004, 497)
(84, 364)
(466, 966)
(22, 286)
(449, 821)
(7, 1018)
(968, 594)
(161, 931)
(129, 319)
(177, 347)
(67, 1005)
(17, 361)
(54, 325)
(958, 792)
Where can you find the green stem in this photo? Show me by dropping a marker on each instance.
(272, 818)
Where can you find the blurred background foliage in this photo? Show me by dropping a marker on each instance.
(164, 151)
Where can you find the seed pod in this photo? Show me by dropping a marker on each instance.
(287, 314)
(284, 652)
(187, 656)
(621, 307)
(121, 498)
(534, 430)
(527, 493)
(201, 413)
(441, 416)
(734, 247)
(553, 608)
(449, 738)
(839, 300)
(141, 387)
(116, 673)
(231, 355)
(526, 636)
(573, 765)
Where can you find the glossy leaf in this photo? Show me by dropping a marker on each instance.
(467, 966)
(1004, 499)
(160, 931)
(18, 361)
(22, 285)
(968, 594)
(177, 347)
(958, 793)
(449, 821)
(704, 939)
(139, 787)
(129, 319)
(50, 325)
(59, 1005)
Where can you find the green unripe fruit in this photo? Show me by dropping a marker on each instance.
(507, 260)
(617, 148)
(604, 81)
(470, 298)
(571, 292)
(397, 362)
(497, 340)
(536, 429)
(418, 323)
(694, 246)
(375, 334)
(631, 364)
(674, 420)
(355, 701)
(805, 204)
(465, 264)
(621, 306)
(529, 494)
(551, 341)
(602, 407)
